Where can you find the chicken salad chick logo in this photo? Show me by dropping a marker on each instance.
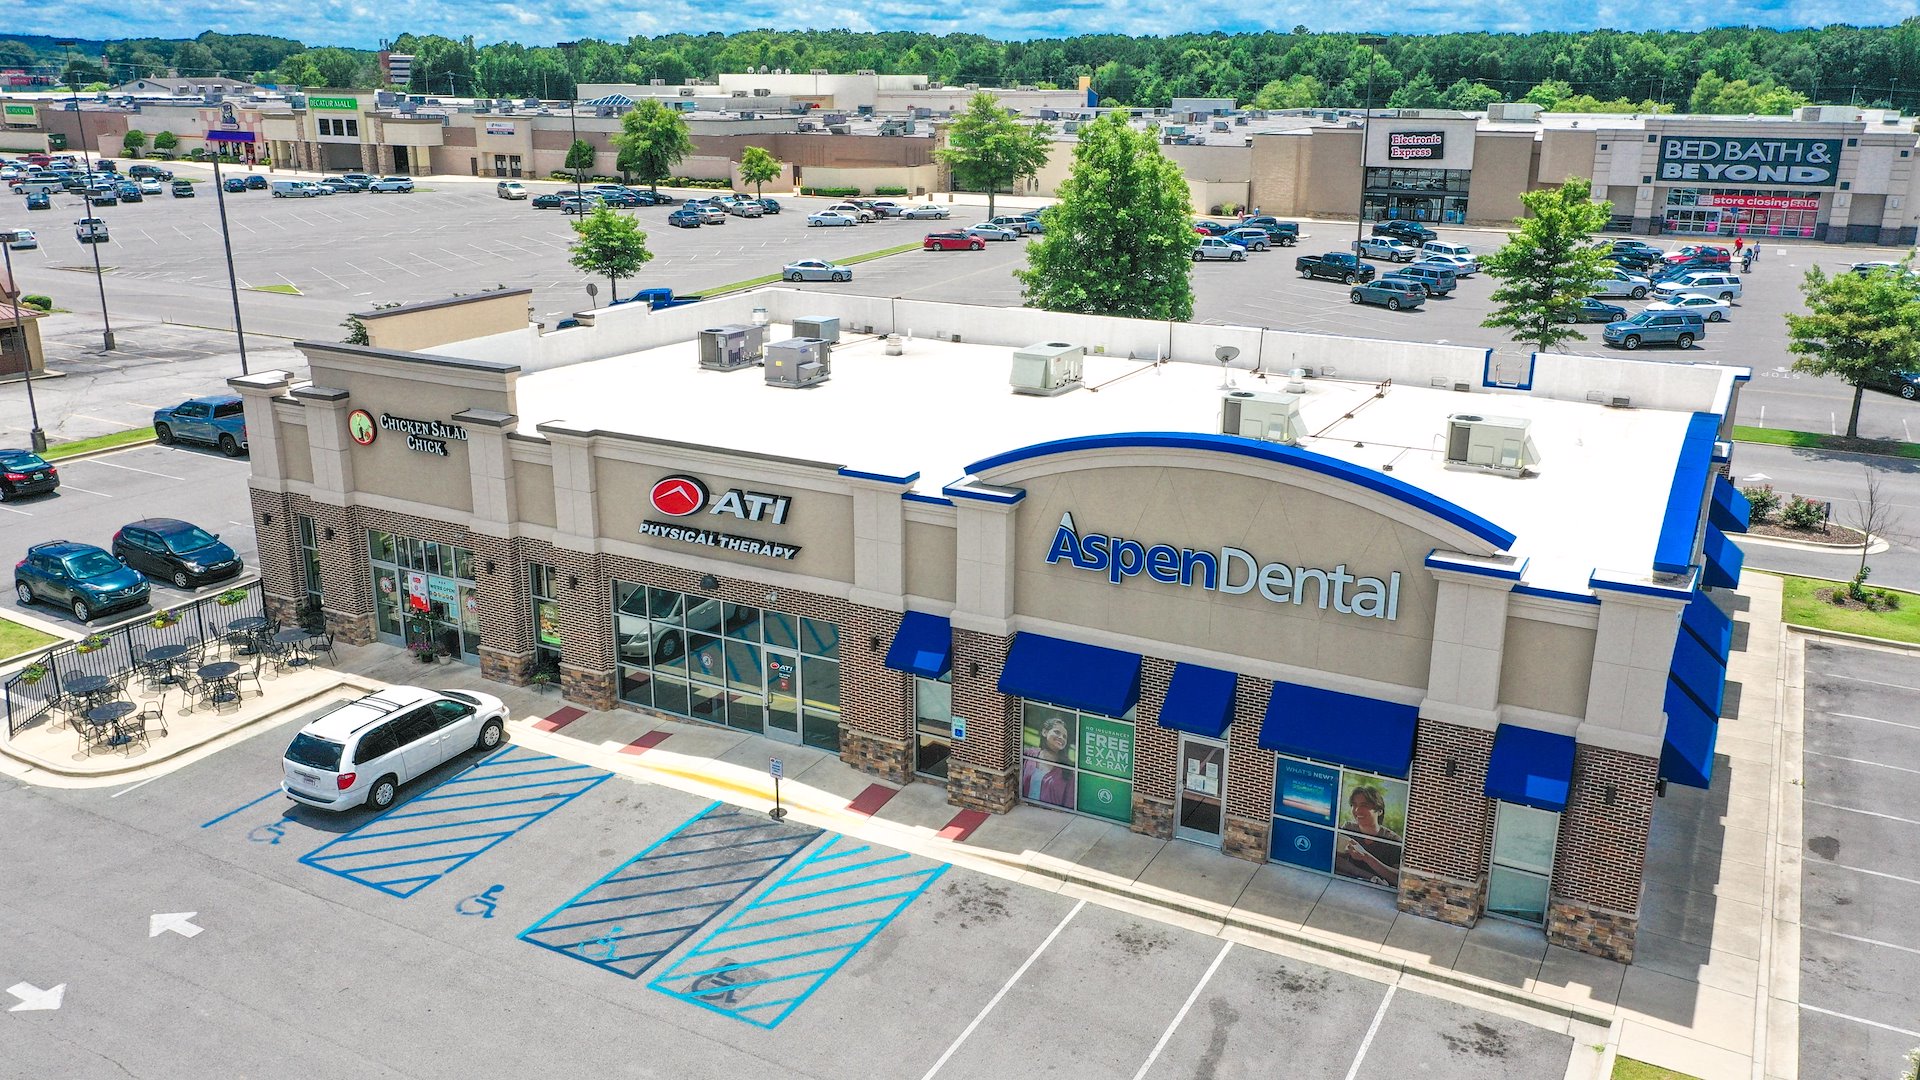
(361, 428)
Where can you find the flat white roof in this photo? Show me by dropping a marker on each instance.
(1597, 500)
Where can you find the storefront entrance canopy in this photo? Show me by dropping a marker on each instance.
(1067, 673)
(1686, 754)
(1347, 729)
(1530, 767)
(1199, 701)
(924, 645)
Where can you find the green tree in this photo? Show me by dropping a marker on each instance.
(989, 148)
(1862, 327)
(1549, 93)
(133, 142)
(1294, 92)
(580, 159)
(82, 72)
(610, 244)
(1420, 92)
(166, 140)
(1120, 239)
(1548, 265)
(1469, 96)
(652, 139)
(757, 166)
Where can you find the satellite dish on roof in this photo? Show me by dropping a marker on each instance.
(1225, 354)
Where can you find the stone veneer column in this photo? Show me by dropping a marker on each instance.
(1155, 753)
(1597, 867)
(984, 771)
(346, 576)
(876, 702)
(587, 672)
(1443, 874)
(1248, 828)
(506, 636)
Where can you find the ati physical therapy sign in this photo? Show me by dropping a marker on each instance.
(1232, 572)
(681, 496)
(1793, 162)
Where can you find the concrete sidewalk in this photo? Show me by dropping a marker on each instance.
(1712, 992)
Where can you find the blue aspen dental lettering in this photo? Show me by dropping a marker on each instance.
(1129, 556)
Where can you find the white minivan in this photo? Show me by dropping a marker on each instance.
(509, 189)
(1718, 284)
(1443, 247)
(293, 189)
(360, 753)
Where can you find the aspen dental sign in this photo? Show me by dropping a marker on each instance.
(1230, 570)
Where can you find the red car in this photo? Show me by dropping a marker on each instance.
(1211, 228)
(1701, 255)
(953, 241)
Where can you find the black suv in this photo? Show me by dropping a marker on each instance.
(1410, 231)
(176, 551)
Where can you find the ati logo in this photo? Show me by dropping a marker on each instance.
(681, 495)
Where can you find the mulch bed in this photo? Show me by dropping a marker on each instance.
(1848, 603)
(1828, 534)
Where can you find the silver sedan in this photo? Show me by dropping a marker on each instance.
(987, 230)
(816, 270)
(927, 212)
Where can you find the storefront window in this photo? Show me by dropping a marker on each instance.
(1340, 821)
(310, 558)
(1405, 194)
(1077, 760)
(1524, 839)
(546, 617)
(730, 664)
(1750, 212)
(933, 725)
(424, 594)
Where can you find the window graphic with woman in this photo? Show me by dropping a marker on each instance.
(1373, 814)
(1046, 773)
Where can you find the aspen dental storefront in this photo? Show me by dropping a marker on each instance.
(1290, 653)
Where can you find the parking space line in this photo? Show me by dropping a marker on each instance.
(1864, 940)
(1372, 1030)
(237, 809)
(1874, 873)
(1185, 1006)
(11, 510)
(1877, 720)
(129, 468)
(84, 491)
(1862, 761)
(1860, 1020)
(1008, 985)
(1868, 813)
(1876, 682)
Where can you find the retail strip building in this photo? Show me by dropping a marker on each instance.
(1388, 611)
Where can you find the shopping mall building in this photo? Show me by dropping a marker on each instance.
(1393, 612)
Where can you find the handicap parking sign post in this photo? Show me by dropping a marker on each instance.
(776, 767)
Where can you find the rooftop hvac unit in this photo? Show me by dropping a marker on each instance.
(1270, 417)
(761, 91)
(656, 82)
(686, 91)
(798, 362)
(816, 71)
(824, 327)
(1047, 369)
(739, 93)
(1070, 126)
(1220, 125)
(1495, 443)
(729, 348)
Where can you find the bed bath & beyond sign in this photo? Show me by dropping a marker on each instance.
(1120, 558)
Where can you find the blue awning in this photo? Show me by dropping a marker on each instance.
(1361, 732)
(1729, 510)
(1199, 701)
(1698, 672)
(1686, 753)
(1673, 551)
(1105, 681)
(1530, 767)
(923, 646)
(1712, 626)
(1724, 560)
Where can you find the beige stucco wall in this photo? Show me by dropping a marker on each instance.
(821, 523)
(1206, 510)
(1547, 667)
(1332, 185)
(1277, 170)
(1566, 153)
(423, 326)
(533, 492)
(917, 179)
(932, 551)
(1502, 163)
(299, 457)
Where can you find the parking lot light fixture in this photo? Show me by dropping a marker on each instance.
(86, 158)
(573, 109)
(226, 241)
(20, 335)
(1366, 133)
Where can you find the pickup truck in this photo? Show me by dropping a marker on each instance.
(1283, 233)
(1335, 266)
(218, 421)
(1385, 247)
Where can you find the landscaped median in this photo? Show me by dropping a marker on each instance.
(1889, 614)
(768, 279)
(99, 442)
(18, 639)
(1813, 440)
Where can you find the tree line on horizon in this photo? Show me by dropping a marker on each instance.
(1730, 70)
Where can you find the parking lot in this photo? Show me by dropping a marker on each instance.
(1859, 945)
(527, 915)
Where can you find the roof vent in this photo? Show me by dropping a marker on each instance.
(1048, 369)
(1497, 444)
(1268, 417)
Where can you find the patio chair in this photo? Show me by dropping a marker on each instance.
(132, 730)
(154, 714)
(250, 674)
(322, 642)
(91, 738)
(239, 642)
(193, 689)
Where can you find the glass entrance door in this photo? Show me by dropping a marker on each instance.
(783, 696)
(1203, 768)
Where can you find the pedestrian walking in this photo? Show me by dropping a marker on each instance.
(1738, 243)
(1756, 251)
(1746, 262)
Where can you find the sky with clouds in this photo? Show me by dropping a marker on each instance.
(363, 23)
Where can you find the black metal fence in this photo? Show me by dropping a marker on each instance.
(33, 689)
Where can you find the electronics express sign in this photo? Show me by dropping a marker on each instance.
(1789, 162)
(1416, 145)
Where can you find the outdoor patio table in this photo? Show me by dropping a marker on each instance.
(253, 626)
(219, 677)
(167, 655)
(89, 686)
(295, 641)
(107, 716)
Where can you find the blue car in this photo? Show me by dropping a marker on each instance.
(234, 183)
(39, 200)
(176, 551)
(78, 577)
(216, 421)
(684, 218)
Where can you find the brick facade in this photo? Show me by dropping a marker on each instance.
(1249, 780)
(984, 771)
(1589, 928)
(1602, 850)
(1449, 823)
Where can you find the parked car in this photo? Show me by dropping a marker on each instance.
(1446, 247)
(148, 172)
(1715, 283)
(831, 219)
(1710, 308)
(1438, 280)
(1865, 268)
(39, 200)
(769, 206)
(392, 183)
(1589, 310)
(1461, 265)
(1335, 265)
(1681, 328)
(78, 577)
(1211, 228)
(987, 230)
(91, 230)
(1386, 247)
(1215, 247)
(1904, 383)
(360, 753)
(1020, 224)
(256, 182)
(337, 186)
(509, 189)
(293, 189)
(620, 198)
(650, 197)
(131, 193)
(103, 197)
(952, 241)
(1250, 239)
(217, 421)
(859, 213)
(547, 200)
(746, 208)
(24, 473)
(176, 551)
(816, 270)
(1701, 255)
(358, 181)
(24, 239)
(1636, 261)
(886, 208)
(233, 183)
(1389, 293)
(1410, 231)
(1283, 233)
(684, 218)
(926, 212)
(1618, 282)
(150, 187)
(710, 214)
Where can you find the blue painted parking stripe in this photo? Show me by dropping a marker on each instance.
(445, 835)
(237, 809)
(796, 934)
(627, 921)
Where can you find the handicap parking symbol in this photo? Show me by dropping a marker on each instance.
(270, 833)
(481, 904)
(721, 987)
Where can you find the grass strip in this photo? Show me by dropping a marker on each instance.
(284, 290)
(768, 279)
(1813, 440)
(1800, 606)
(17, 638)
(1626, 1068)
(97, 442)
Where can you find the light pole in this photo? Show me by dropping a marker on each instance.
(226, 241)
(86, 157)
(1366, 132)
(573, 110)
(20, 334)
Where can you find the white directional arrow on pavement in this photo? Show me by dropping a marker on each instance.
(1756, 478)
(33, 998)
(176, 921)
